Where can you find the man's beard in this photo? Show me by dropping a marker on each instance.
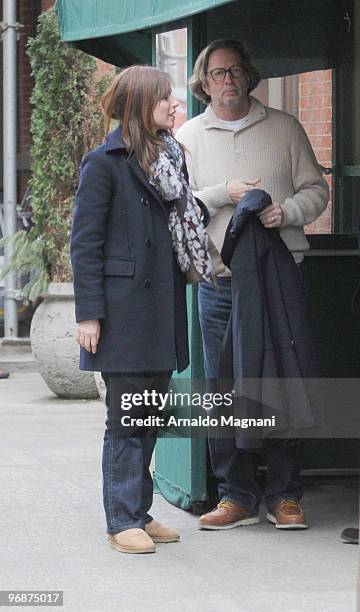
(234, 102)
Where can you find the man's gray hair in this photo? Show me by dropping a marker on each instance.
(201, 66)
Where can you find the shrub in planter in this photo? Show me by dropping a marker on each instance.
(66, 122)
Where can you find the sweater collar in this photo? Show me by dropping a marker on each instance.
(256, 113)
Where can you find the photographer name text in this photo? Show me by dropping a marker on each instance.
(199, 421)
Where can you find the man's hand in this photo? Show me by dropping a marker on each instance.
(272, 216)
(237, 188)
(87, 334)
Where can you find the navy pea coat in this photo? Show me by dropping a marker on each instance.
(124, 269)
(268, 351)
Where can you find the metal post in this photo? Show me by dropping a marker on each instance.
(9, 35)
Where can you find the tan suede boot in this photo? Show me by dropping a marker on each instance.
(160, 533)
(132, 541)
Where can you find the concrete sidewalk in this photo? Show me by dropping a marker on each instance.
(17, 358)
(53, 536)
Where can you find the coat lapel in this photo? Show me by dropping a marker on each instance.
(114, 142)
(141, 176)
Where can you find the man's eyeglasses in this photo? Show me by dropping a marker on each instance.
(218, 74)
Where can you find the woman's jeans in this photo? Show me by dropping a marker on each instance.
(127, 451)
(236, 471)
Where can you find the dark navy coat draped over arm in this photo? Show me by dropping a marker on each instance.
(268, 354)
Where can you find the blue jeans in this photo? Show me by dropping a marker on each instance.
(236, 471)
(127, 482)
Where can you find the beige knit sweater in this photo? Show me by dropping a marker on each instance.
(272, 146)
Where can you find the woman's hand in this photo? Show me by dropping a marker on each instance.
(237, 188)
(272, 216)
(87, 334)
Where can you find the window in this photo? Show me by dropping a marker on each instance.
(171, 56)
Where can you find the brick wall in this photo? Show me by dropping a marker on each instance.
(101, 69)
(26, 17)
(46, 4)
(315, 113)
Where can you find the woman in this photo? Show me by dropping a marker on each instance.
(132, 241)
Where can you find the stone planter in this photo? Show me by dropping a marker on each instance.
(54, 347)
(100, 386)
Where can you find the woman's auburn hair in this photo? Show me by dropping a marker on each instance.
(201, 65)
(131, 99)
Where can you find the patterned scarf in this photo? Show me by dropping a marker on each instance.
(189, 238)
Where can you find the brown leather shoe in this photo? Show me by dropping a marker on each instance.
(160, 533)
(132, 541)
(287, 514)
(227, 515)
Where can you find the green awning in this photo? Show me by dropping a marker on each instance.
(120, 31)
(84, 19)
(282, 37)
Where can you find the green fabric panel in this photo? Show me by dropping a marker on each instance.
(181, 471)
(83, 19)
(171, 492)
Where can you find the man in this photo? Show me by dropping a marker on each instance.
(235, 146)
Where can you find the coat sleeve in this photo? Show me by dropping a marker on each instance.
(311, 192)
(92, 204)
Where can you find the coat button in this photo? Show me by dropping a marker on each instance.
(147, 283)
(148, 242)
(145, 201)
